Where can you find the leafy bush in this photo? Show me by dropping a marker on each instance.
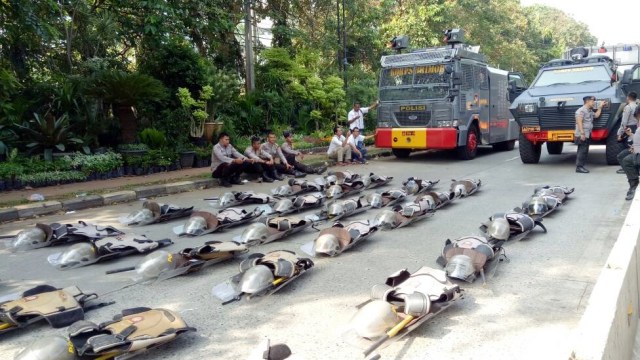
(153, 138)
(99, 163)
(132, 147)
(10, 170)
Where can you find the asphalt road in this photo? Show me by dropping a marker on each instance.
(527, 311)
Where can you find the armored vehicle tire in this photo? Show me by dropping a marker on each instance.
(401, 153)
(505, 145)
(613, 147)
(470, 150)
(555, 148)
(529, 153)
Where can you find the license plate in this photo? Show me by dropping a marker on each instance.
(528, 129)
(409, 138)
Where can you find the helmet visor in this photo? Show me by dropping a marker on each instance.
(460, 267)
(256, 280)
(153, 265)
(28, 239)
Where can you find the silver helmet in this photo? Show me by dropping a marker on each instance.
(335, 209)
(375, 200)
(537, 206)
(153, 265)
(374, 319)
(366, 181)
(460, 190)
(283, 190)
(410, 210)
(227, 199)
(142, 217)
(76, 255)
(499, 229)
(48, 348)
(195, 225)
(254, 234)
(331, 180)
(256, 280)
(283, 205)
(334, 191)
(385, 219)
(411, 187)
(460, 267)
(28, 239)
(327, 244)
(320, 181)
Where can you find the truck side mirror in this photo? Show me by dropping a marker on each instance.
(456, 79)
(512, 86)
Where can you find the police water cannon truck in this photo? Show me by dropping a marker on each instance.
(546, 111)
(444, 98)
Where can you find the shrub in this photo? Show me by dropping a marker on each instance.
(154, 139)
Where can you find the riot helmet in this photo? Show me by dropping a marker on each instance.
(28, 239)
(334, 191)
(284, 205)
(331, 180)
(195, 225)
(410, 210)
(327, 244)
(335, 209)
(499, 229)
(76, 255)
(537, 206)
(411, 187)
(143, 216)
(254, 234)
(374, 319)
(459, 190)
(153, 265)
(375, 200)
(227, 199)
(385, 219)
(366, 181)
(48, 348)
(256, 279)
(283, 190)
(460, 267)
(320, 181)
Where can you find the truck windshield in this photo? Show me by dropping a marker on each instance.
(413, 83)
(575, 75)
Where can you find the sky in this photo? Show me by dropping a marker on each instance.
(611, 21)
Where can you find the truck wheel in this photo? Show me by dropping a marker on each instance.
(470, 150)
(613, 148)
(401, 153)
(529, 153)
(505, 145)
(555, 148)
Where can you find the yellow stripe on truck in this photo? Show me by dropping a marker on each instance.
(560, 135)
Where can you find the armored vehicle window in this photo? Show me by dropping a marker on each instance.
(518, 80)
(481, 78)
(417, 93)
(467, 77)
(574, 75)
(397, 76)
(430, 74)
(636, 74)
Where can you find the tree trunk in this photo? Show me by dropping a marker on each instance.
(128, 123)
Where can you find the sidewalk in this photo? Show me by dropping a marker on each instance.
(15, 205)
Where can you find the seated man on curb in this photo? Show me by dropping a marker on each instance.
(290, 154)
(631, 162)
(253, 152)
(338, 148)
(272, 150)
(356, 142)
(227, 163)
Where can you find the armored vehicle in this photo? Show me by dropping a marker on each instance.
(444, 98)
(546, 111)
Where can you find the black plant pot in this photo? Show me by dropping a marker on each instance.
(128, 170)
(138, 171)
(187, 158)
(3, 185)
(17, 184)
(120, 171)
(91, 176)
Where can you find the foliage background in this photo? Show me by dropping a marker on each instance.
(57, 55)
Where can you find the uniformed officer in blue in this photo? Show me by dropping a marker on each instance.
(584, 125)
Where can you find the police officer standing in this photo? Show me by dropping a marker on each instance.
(628, 122)
(584, 125)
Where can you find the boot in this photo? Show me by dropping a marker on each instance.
(633, 185)
(266, 177)
(321, 169)
(298, 174)
(277, 176)
(235, 180)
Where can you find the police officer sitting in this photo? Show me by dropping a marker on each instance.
(631, 162)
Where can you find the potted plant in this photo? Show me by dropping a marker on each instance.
(187, 155)
(226, 89)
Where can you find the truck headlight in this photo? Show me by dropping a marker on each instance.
(529, 108)
(445, 123)
(384, 124)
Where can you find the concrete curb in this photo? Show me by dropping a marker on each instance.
(85, 202)
(608, 327)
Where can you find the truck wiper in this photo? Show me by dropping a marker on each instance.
(562, 83)
(590, 81)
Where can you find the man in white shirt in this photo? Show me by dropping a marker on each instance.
(355, 118)
(356, 143)
(338, 148)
